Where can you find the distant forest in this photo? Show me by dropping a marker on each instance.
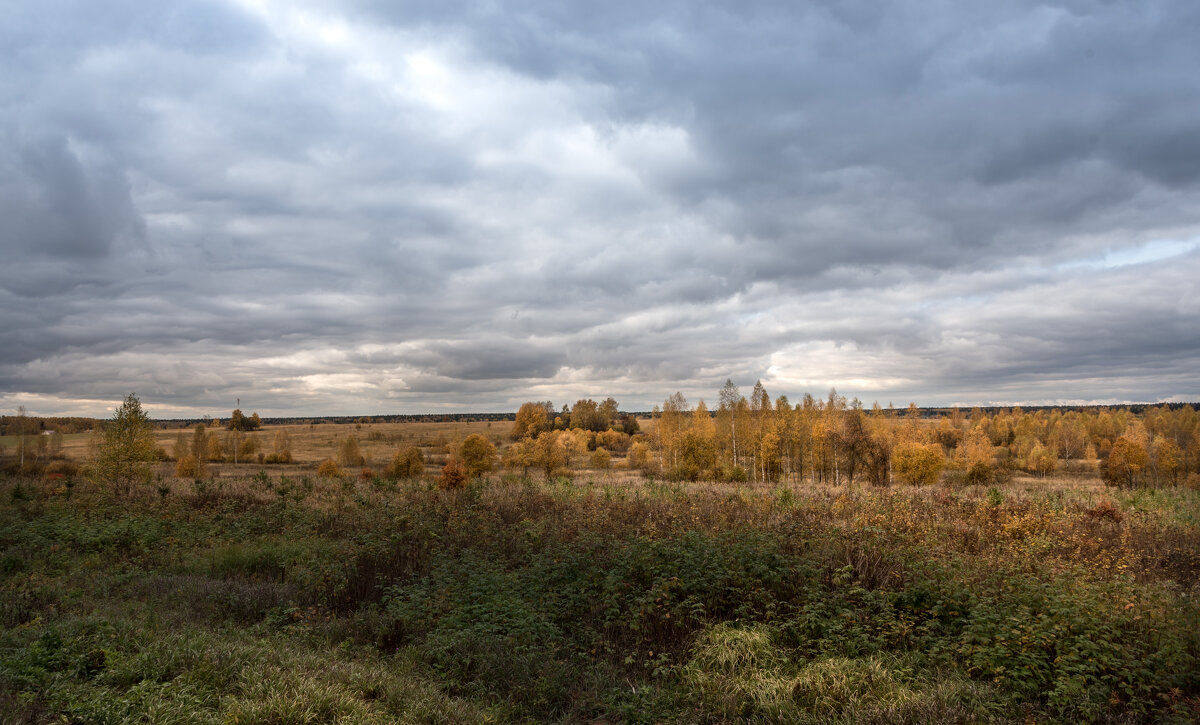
(13, 425)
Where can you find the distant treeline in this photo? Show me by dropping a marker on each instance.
(352, 419)
(12, 425)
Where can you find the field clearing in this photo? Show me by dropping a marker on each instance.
(378, 442)
(75, 445)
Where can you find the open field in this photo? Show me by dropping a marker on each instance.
(310, 444)
(605, 599)
(377, 442)
(74, 444)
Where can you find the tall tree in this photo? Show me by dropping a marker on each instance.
(531, 420)
(22, 422)
(609, 413)
(727, 411)
(671, 424)
(199, 442)
(585, 415)
(127, 448)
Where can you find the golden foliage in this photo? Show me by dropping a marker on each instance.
(407, 463)
(918, 464)
(188, 466)
(454, 475)
(478, 455)
(348, 453)
(328, 468)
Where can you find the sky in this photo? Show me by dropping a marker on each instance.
(368, 207)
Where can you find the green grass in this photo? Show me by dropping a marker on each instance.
(568, 602)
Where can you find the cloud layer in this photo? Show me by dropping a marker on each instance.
(358, 208)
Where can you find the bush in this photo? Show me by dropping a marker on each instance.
(454, 475)
(328, 468)
(980, 474)
(601, 459)
(734, 474)
(917, 464)
(188, 466)
(348, 453)
(1106, 509)
(62, 467)
(407, 463)
(639, 456)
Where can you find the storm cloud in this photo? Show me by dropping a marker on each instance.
(368, 207)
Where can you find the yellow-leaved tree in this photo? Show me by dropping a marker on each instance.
(1126, 462)
(408, 463)
(478, 455)
(127, 448)
(531, 420)
(918, 464)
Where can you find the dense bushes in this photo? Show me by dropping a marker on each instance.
(658, 602)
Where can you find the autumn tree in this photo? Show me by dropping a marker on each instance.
(239, 422)
(188, 466)
(877, 451)
(249, 446)
(454, 474)
(199, 442)
(697, 447)
(531, 420)
(407, 463)
(216, 449)
(585, 415)
(281, 448)
(478, 455)
(727, 415)
(56, 444)
(1166, 460)
(522, 454)
(1126, 462)
(181, 447)
(127, 448)
(1041, 460)
(639, 456)
(551, 453)
(601, 459)
(608, 413)
(613, 440)
(348, 453)
(855, 441)
(918, 464)
(976, 449)
(672, 420)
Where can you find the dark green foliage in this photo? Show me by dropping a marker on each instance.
(543, 602)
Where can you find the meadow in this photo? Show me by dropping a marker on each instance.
(268, 594)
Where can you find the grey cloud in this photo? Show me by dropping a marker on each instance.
(202, 200)
(58, 204)
(493, 359)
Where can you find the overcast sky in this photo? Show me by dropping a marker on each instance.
(401, 207)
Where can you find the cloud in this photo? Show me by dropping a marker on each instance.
(376, 207)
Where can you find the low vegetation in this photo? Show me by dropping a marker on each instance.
(376, 600)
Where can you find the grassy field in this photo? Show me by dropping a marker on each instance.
(287, 598)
